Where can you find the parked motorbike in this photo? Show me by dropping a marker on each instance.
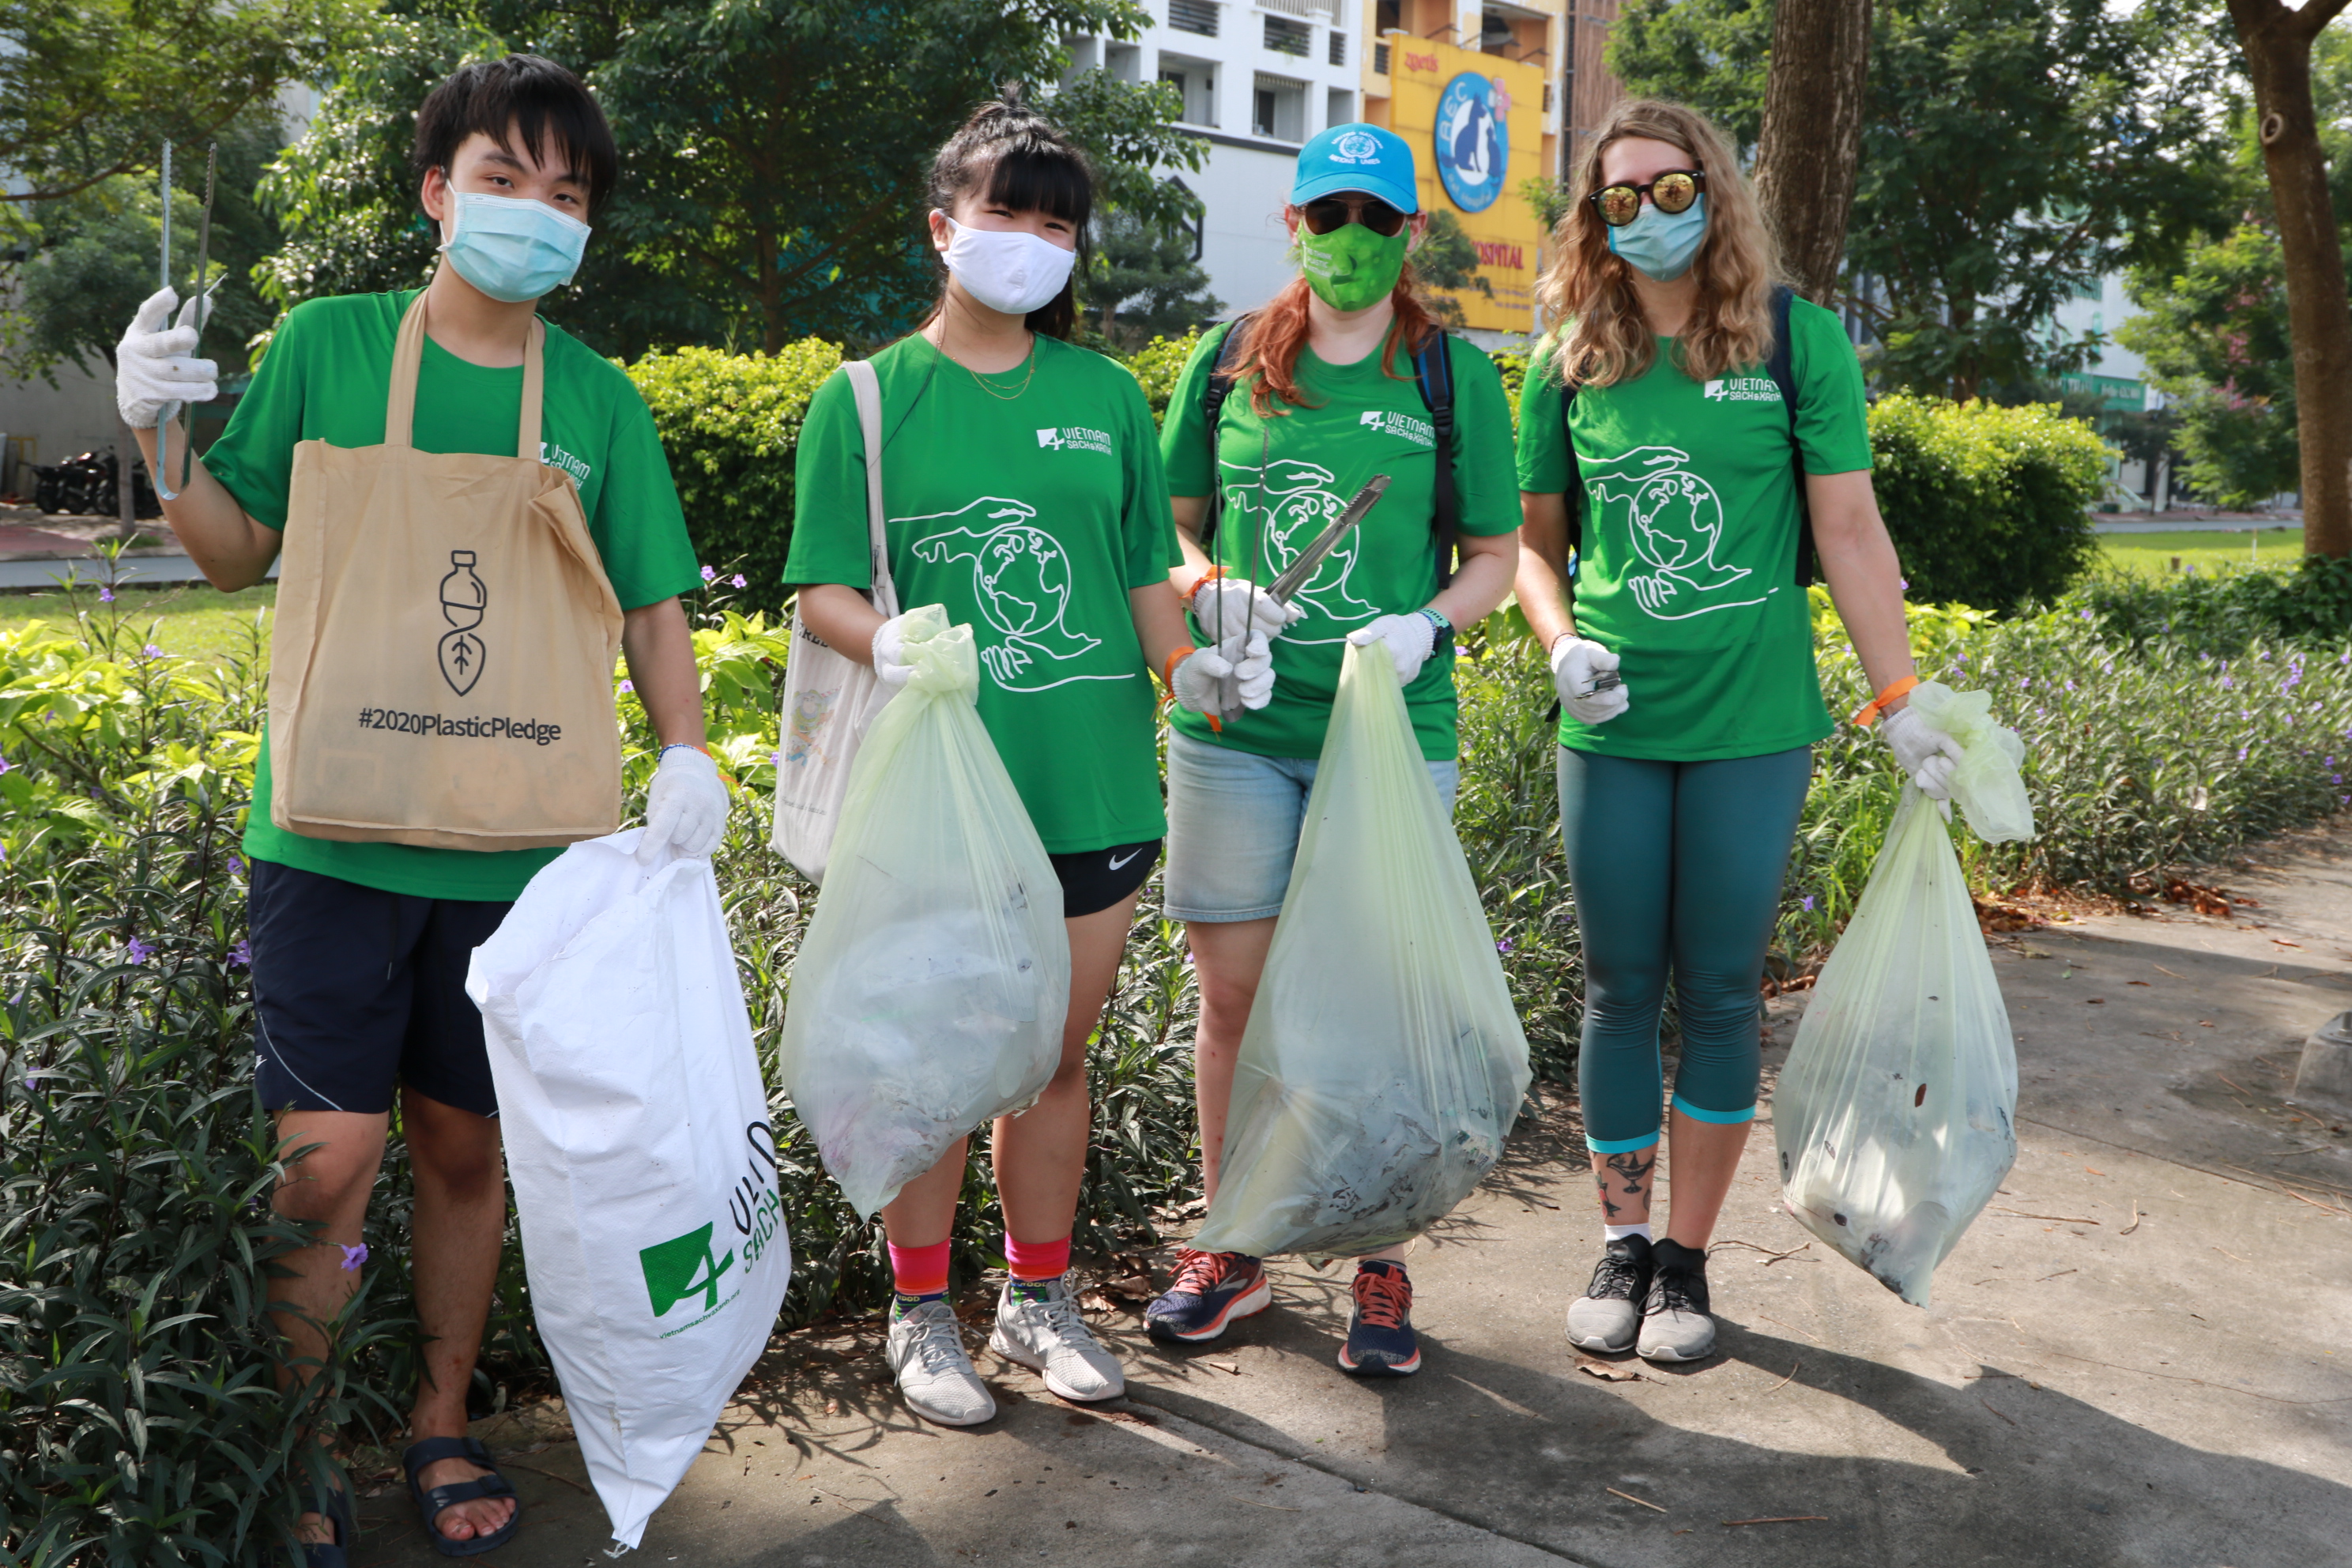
(87, 484)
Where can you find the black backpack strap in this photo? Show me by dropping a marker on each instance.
(1782, 370)
(1574, 497)
(1433, 369)
(1213, 403)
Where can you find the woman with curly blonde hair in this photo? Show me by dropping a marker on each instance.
(1696, 433)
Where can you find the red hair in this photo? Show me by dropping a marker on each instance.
(1266, 357)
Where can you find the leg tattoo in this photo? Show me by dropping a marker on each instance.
(1630, 1171)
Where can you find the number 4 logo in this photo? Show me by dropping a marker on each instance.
(685, 1267)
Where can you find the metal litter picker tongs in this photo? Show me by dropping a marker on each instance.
(1296, 575)
(204, 264)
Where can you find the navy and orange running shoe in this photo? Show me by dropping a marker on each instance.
(1381, 1341)
(1210, 1290)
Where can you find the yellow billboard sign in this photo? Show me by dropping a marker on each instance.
(1475, 123)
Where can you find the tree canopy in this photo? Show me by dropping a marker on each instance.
(2010, 154)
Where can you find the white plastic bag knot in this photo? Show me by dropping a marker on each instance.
(944, 659)
(1986, 782)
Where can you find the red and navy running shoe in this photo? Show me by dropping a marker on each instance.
(1381, 1341)
(1210, 1290)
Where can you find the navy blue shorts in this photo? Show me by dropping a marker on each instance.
(1095, 879)
(357, 991)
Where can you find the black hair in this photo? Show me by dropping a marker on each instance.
(528, 96)
(1009, 154)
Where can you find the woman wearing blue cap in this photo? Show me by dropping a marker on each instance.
(1686, 416)
(1342, 376)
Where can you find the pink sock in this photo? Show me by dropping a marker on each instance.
(1032, 1261)
(921, 1271)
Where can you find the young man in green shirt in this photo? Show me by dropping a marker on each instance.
(360, 950)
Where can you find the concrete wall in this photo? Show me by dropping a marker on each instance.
(75, 415)
(1243, 247)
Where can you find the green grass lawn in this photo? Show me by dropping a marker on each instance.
(194, 620)
(2151, 554)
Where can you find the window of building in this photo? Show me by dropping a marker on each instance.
(1284, 37)
(1196, 82)
(1280, 109)
(1380, 59)
(1338, 48)
(1193, 17)
(1339, 106)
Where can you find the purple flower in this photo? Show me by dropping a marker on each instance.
(2241, 753)
(628, 686)
(2227, 682)
(2086, 615)
(235, 867)
(1809, 901)
(2070, 686)
(353, 1256)
(4, 764)
(1504, 945)
(106, 595)
(737, 581)
(150, 651)
(241, 955)
(707, 573)
(138, 952)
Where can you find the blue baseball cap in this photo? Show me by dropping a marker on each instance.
(1367, 158)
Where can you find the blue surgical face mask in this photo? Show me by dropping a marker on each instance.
(1661, 245)
(511, 247)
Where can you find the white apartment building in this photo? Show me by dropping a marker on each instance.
(1258, 78)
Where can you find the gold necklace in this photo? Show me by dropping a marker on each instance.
(980, 382)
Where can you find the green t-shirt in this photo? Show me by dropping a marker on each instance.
(326, 378)
(1689, 568)
(1028, 513)
(1284, 478)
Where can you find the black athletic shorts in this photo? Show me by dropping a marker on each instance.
(1095, 879)
(356, 990)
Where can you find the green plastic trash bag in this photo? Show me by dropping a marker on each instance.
(933, 978)
(1383, 1063)
(1894, 1117)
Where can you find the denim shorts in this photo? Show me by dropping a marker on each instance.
(1233, 828)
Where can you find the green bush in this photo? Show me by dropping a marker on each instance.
(1989, 506)
(1157, 364)
(2309, 605)
(730, 424)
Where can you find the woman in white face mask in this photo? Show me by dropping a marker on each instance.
(1696, 433)
(1022, 484)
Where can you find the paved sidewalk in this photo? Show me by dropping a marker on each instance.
(2141, 1357)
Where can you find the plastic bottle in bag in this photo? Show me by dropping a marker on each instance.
(933, 978)
(1893, 1116)
(1383, 1063)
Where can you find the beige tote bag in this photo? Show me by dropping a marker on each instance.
(441, 673)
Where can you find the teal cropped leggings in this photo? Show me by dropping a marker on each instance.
(1676, 868)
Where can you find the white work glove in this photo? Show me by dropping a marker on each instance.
(1927, 755)
(1199, 677)
(890, 652)
(1410, 640)
(686, 810)
(1228, 609)
(152, 373)
(1576, 664)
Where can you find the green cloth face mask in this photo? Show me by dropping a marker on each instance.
(1351, 268)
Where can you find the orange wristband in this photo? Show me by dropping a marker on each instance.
(1867, 714)
(1168, 671)
(1212, 575)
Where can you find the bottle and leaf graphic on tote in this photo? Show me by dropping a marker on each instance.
(464, 600)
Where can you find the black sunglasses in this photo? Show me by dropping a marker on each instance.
(1672, 192)
(1324, 214)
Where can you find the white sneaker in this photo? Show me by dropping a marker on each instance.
(1046, 1335)
(935, 1372)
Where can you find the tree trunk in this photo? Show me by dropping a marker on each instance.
(2278, 45)
(1812, 141)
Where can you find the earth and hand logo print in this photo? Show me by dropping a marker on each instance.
(1021, 575)
(464, 601)
(1288, 505)
(1675, 522)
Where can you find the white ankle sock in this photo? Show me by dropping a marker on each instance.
(1610, 1232)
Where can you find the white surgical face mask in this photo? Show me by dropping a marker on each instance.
(1007, 269)
(511, 247)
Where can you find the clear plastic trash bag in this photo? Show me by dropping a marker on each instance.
(1383, 1063)
(934, 976)
(1893, 1116)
